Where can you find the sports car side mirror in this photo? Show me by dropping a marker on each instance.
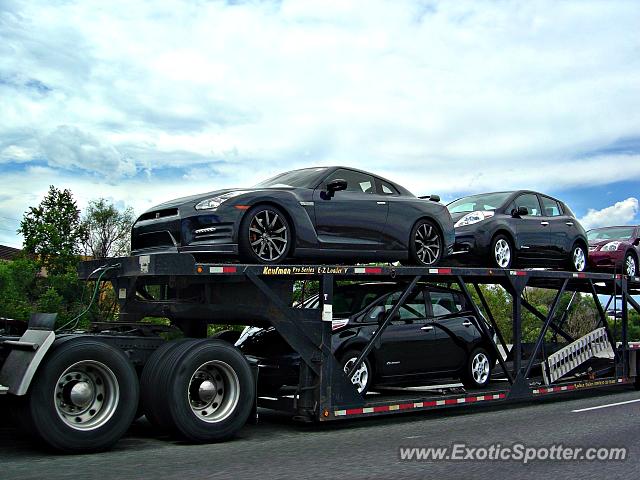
(636, 242)
(519, 212)
(336, 185)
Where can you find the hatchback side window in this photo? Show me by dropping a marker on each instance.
(444, 303)
(412, 310)
(530, 201)
(356, 181)
(550, 207)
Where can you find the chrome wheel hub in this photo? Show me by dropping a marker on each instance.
(428, 244)
(360, 377)
(214, 391)
(86, 395)
(579, 260)
(480, 368)
(502, 253)
(268, 235)
(630, 266)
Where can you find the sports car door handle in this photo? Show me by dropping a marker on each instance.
(381, 203)
(466, 324)
(544, 223)
(426, 329)
(570, 224)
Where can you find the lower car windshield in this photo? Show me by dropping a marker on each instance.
(305, 178)
(614, 233)
(474, 203)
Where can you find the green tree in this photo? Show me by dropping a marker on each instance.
(107, 230)
(52, 231)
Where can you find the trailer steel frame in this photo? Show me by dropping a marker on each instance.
(194, 294)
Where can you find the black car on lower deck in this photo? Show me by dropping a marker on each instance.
(435, 335)
(520, 228)
(323, 213)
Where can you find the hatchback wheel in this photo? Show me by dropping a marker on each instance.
(363, 376)
(265, 235)
(578, 258)
(477, 372)
(630, 265)
(501, 252)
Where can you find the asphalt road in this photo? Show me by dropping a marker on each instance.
(365, 448)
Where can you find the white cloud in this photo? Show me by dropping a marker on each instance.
(621, 213)
(441, 96)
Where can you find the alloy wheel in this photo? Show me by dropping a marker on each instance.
(579, 259)
(502, 253)
(480, 368)
(630, 267)
(268, 235)
(428, 244)
(360, 377)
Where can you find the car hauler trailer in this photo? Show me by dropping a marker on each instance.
(80, 390)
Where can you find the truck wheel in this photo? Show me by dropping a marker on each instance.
(83, 398)
(477, 372)
(151, 393)
(149, 380)
(210, 391)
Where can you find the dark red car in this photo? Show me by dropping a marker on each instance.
(615, 248)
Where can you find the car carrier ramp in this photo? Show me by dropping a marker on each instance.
(575, 354)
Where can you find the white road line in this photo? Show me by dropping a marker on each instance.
(605, 406)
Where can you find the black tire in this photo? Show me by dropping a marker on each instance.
(502, 253)
(474, 374)
(228, 398)
(100, 376)
(347, 359)
(264, 252)
(573, 263)
(630, 265)
(426, 244)
(149, 381)
(154, 380)
(230, 336)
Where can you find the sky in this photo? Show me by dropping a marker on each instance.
(140, 102)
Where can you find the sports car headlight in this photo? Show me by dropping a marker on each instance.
(610, 247)
(474, 217)
(214, 202)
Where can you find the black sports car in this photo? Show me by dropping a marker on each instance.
(521, 228)
(325, 212)
(435, 335)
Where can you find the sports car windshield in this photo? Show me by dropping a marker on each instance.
(474, 203)
(617, 233)
(305, 178)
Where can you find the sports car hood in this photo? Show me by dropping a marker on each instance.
(203, 196)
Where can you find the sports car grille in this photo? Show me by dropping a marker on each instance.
(167, 212)
(154, 240)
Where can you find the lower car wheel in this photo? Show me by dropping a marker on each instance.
(578, 261)
(630, 265)
(426, 245)
(265, 235)
(502, 254)
(83, 398)
(477, 371)
(210, 390)
(363, 376)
